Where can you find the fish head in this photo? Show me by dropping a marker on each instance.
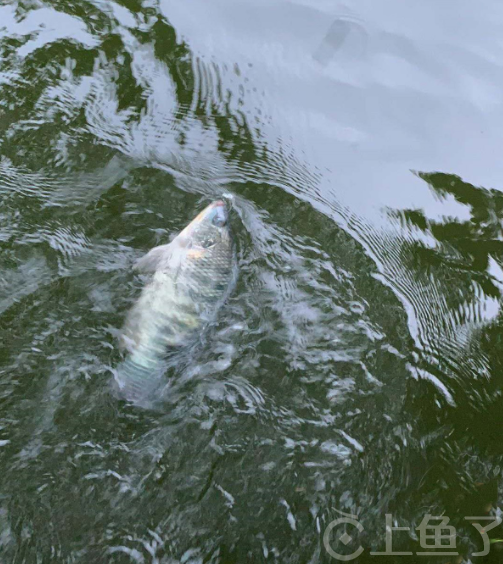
(208, 231)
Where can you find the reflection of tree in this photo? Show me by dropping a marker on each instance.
(464, 247)
(448, 266)
(186, 71)
(448, 269)
(39, 88)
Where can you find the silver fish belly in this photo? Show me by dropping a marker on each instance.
(191, 278)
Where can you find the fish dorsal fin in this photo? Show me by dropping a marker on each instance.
(158, 257)
(163, 257)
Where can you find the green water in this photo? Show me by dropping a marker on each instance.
(357, 367)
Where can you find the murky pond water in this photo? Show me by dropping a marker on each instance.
(356, 369)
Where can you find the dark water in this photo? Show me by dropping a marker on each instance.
(357, 367)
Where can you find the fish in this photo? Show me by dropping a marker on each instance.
(191, 277)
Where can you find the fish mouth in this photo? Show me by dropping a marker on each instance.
(216, 213)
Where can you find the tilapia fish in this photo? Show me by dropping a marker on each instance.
(191, 276)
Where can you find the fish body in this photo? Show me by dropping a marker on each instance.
(191, 277)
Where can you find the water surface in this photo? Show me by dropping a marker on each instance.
(356, 368)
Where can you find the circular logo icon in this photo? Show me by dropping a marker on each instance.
(345, 538)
